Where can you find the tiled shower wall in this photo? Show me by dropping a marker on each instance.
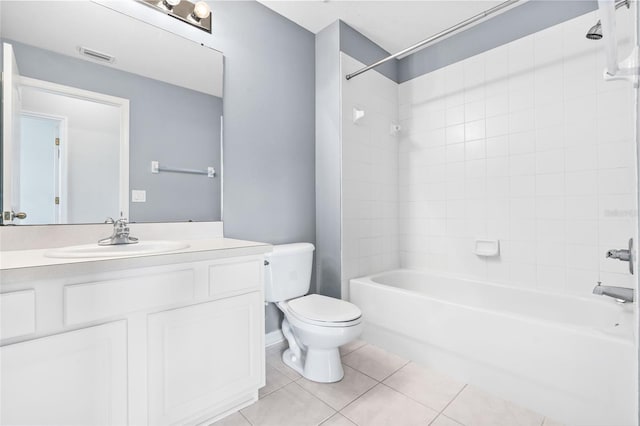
(369, 174)
(525, 144)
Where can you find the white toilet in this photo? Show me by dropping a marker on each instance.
(315, 326)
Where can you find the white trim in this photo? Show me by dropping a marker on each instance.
(273, 338)
(9, 73)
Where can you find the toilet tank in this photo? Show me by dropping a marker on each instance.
(288, 274)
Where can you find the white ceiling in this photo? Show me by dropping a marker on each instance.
(393, 25)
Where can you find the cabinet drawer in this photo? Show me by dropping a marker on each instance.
(235, 277)
(17, 313)
(102, 299)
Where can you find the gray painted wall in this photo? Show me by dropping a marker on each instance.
(520, 21)
(515, 23)
(366, 51)
(269, 128)
(154, 135)
(328, 161)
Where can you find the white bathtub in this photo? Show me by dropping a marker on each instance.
(571, 359)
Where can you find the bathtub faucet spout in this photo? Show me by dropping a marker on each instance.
(621, 294)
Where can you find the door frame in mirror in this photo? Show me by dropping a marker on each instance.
(121, 103)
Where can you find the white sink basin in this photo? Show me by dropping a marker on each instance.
(94, 250)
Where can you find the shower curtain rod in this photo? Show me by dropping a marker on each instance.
(435, 37)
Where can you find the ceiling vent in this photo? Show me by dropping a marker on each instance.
(95, 55)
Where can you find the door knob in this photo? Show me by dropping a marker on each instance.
(9, 216)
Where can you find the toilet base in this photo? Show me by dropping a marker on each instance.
(320, 365)
(323, 365)
(292, 361)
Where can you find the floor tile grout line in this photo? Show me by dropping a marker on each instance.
(447, 417)
(361, 396)
(422, 403)
(245, 417)
(323, 421)
(441, 413)
(353, 400)
(363, 373)
(395, 371)
(315, 397)
(353, 350)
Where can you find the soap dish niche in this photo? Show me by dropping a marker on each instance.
(487, 248)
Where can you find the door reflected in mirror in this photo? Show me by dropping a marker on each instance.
(70, 149)
(158, 98)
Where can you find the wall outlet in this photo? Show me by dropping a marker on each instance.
(138, 196)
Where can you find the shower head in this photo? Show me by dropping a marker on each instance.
(595, 32)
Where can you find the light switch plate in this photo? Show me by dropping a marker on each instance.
(138, 196)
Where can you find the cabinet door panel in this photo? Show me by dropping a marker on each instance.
(17, 313)
(201, 356)
(74, 378)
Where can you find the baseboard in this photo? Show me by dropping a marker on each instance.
(273, 338)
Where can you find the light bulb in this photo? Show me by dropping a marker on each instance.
(169, 4)
(201, 10)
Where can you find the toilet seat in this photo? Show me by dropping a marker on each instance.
(323, 311)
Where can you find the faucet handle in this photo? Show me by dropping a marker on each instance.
(122, 222)
(625, 255)
(109, 219)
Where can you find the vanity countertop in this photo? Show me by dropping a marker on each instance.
(200, 249)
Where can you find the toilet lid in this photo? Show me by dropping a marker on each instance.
(323, 308)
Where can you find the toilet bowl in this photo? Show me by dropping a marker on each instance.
(314, 340)
(314, 325)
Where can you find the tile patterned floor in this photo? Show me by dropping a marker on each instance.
(378, 389)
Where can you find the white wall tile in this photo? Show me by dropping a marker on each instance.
(497, 105)
(550, 162)
(371, 174)
(475, 150)
(550, 138)
(455, 115)
(535, 149)
(455, 153)
(522, 143)
(497, 146)
(616, 155)
(522, 165)
(455, 134)
(497, 125)
(474, 130)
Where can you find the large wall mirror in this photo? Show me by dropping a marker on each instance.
(104, 115)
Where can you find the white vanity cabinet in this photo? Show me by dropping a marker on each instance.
(73, 378)
(157, 340)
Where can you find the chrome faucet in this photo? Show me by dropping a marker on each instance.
(120, 234)
(621, 294)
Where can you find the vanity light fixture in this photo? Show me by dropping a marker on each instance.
(198, 14)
